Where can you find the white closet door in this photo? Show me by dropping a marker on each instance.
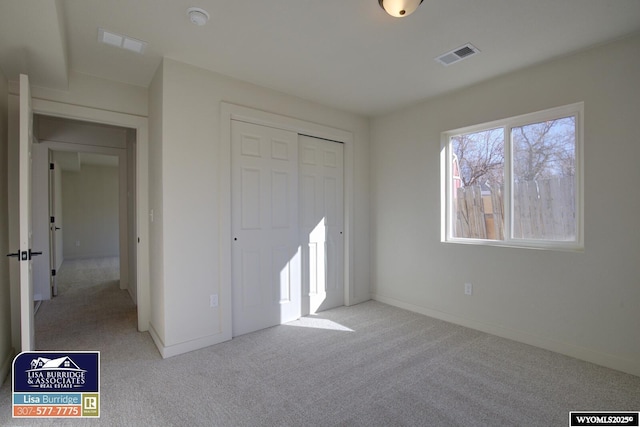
(265, 248)
(321, 223)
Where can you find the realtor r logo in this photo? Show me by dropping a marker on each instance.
(90, 402)
(90, 405)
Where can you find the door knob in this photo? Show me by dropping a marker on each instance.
(21, 255)
(32, 254)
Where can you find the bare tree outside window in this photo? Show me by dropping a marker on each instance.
(544, 150)
(543, 185)
(481, 157)
(544, 159)
(478, 200)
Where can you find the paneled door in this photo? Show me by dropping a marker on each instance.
(266, 288)
(321, 223)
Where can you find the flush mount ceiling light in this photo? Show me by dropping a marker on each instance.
(123, 42)
(399, 8)
(197, 16)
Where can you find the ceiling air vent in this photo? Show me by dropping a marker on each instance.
(121, 41)
(458, 54)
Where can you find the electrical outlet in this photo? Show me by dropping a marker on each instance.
(213, 300)
(468, 289)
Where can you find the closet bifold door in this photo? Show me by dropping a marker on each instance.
(321, 223)
(265, 249)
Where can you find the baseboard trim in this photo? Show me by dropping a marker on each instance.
(359, 300)
(5, 366)
(156, 339)
(133, 296)
(603, 359)
(187, 346)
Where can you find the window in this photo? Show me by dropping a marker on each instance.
(516, 181)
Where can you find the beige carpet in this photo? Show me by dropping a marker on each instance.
(76, 274)
(367, 365)
(90, 309)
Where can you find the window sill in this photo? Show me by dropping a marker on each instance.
(517, 244)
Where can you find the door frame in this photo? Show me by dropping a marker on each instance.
(41, 227)
(229, 112)
(140, 125)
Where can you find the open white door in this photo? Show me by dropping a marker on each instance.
(26, 284)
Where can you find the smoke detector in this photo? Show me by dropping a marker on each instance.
(198, 16)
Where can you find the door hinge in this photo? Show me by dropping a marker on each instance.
(52, 166)
(52, 219)
(53, 272)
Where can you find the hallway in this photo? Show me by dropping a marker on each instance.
(90, 312)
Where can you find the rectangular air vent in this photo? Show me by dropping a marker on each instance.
(121, 41)
(457, 54)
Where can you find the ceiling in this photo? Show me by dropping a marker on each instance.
(347, 54)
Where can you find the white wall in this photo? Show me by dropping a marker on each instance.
(94, 92)
(5, 298)
(78, 132)
(156, 225)
(188, 211)
(581, 304)
(90, 209)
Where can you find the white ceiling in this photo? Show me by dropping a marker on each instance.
(343, 53)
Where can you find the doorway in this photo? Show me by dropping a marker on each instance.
(83, 206)
(84, 209)
(140, 222)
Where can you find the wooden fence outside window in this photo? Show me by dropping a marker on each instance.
(543, 209)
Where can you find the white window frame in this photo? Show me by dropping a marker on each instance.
(446, 157)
